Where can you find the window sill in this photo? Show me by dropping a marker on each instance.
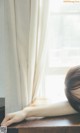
(62, 124)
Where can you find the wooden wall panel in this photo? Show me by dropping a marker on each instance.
(51, 130)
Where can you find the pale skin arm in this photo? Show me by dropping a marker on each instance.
(63, 108)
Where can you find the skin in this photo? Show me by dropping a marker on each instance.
(63, 108)
(13, 118)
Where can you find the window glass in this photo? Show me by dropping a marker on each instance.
(63, 38)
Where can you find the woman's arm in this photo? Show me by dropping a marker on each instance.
(62, 108)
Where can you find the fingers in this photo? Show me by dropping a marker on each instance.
(12, 118)
(7, 119)
(9, 122)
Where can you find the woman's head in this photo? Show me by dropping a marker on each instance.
(72, 84)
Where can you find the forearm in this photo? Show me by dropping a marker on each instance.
(63, 108)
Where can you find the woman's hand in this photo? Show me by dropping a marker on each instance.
(13, 118)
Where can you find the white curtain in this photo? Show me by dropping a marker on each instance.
(25, 50)
(2, 53)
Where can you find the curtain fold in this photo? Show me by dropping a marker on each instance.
(36, 57)
(25, 30)
(12, 77)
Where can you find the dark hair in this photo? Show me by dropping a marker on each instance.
(72, 87)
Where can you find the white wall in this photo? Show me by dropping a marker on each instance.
(2, 53)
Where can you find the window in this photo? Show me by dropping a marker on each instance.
(71, 0)
(63, 39)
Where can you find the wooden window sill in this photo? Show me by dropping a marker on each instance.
(62, 124)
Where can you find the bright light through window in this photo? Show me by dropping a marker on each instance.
(64, 46)
(71, 0)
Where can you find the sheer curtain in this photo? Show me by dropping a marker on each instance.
(25, 50)
(2, 90)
